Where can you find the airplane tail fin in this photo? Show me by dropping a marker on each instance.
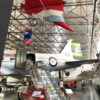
(72, 50)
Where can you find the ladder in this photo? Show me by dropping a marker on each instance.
(51, 86)
(52, 89)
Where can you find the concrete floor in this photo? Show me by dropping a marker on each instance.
(79, 94)
(8, 95)
(84, 94)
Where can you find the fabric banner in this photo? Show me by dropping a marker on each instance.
(51, 10)
(28, 36)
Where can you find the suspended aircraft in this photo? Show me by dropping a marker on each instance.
(49, 10)
(14, 63)
(70, 57)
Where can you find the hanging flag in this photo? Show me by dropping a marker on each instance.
(51, 10)
(28, 36)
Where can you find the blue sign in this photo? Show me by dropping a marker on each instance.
(28, 36)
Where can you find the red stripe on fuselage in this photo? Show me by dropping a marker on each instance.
(9, 55)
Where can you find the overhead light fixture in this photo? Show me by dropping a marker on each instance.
(11, 28)
(18, 36)
(33, 21)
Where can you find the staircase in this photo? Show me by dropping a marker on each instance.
(52, 89)
(51, 86)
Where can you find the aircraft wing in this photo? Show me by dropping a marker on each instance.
(82, 76)
(74, 64)
(87, 74)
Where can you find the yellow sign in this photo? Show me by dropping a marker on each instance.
(75, 44)
(77, 54)
(48, 88)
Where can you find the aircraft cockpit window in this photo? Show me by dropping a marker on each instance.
(12, 58)
(31, 57)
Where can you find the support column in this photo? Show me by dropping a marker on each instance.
(5, 10)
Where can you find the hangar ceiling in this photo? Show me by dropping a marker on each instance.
(49, 38)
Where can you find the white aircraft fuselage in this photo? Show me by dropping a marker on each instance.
(54, 62)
